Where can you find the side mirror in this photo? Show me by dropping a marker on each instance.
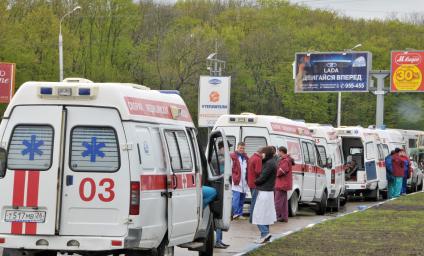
(3, 162)
(329, 163)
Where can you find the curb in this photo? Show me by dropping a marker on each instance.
(253, 247)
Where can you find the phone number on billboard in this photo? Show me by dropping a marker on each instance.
(352, 85)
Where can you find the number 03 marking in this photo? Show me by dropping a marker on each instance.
(108, 185)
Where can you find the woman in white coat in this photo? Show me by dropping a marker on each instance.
(264, 211)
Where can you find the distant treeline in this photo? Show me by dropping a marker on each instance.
(164, 46)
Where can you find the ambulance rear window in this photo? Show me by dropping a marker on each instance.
(94, 149)
(179, 151)
(30, 148)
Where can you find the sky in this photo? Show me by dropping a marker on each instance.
(367, 9)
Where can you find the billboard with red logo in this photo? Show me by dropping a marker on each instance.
(7, 81)
(214, 99)
(407, 71)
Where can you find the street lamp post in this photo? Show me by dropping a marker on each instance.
(61, 42)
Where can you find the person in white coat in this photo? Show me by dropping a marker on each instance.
(264, 212)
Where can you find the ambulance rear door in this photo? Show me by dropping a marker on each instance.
(29, 187)
(96, 178)
(370, 156)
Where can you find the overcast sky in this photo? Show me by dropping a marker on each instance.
(368, 9)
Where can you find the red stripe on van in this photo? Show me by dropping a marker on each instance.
(158, 182)
(153, 182)
(18, 198)
(32, 198)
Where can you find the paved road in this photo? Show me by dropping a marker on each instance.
(242, 234)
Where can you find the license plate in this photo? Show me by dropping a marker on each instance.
(25, 216)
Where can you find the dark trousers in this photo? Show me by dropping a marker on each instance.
(281, 205)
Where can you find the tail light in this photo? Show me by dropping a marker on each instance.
(135, 198)
(333, 176)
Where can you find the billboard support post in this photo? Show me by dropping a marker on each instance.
(339, 109)
(380, 91)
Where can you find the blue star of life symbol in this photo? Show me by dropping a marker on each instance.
(32, 147)
(93, 149)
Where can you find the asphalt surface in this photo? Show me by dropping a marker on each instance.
(242, 234)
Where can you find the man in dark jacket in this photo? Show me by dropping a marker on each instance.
(283, 183)
(254, 168)
(398, 172)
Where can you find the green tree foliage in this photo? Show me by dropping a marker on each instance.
(164, 46)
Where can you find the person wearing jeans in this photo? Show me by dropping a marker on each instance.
(239, 181)
(264, 210)
(398, 166)
(254, 168)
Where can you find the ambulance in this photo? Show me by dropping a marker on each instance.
(329, 146)
(107, 168)
(363, 145)
(256, 131)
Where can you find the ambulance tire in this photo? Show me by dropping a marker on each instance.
(322, 206)
(294, 204)
(209, 242)
(334, 204)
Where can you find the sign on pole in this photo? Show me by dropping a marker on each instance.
(7, 81)
(407, 70)
(332, 72)
(214, 99)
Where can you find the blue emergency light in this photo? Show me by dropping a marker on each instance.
(84, 91)
(46, 91)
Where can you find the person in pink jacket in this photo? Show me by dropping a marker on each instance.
(283, 183)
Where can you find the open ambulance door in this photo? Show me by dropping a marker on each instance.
(219, 177)
(370, 162)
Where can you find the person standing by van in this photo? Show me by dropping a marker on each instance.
(283, 183)
(389, 174)
(406, 163)
(254, 168)
(239, 183)
(398, 172)
(221, 159)
(264, 211)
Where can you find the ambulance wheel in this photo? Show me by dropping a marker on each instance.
(376, 195)
(209, 242)
(322, 206)
(293, 204)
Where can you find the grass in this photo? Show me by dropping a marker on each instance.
(394, 228)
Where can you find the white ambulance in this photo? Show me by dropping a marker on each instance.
(106, 168)
(330, 148)
(309, 180)
(363, 146)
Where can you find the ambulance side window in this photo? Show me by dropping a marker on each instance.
(30, 148)
(179, 151)
(150, 150)
(305, 153)
(323, 154)
(94, 149)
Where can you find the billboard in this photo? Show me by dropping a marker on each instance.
(7, 81)
(214, 99)
(407, 70)
(332, 72)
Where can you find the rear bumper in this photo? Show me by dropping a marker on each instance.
(355, 187)
(63, 243)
